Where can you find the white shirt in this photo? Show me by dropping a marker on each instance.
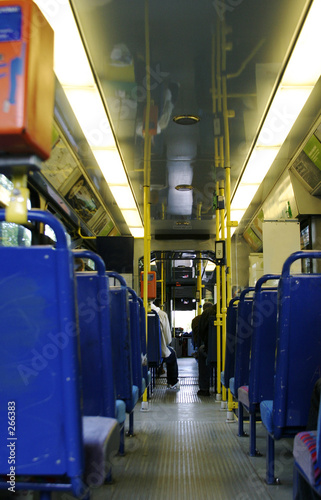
(166, 337)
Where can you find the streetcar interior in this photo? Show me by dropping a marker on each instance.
(186, 145)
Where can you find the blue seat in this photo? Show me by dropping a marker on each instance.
(95, 344)
(229, 367)
(261, 375)
(121, 346)
(154, 350)
(57, 448)
(136, 349)
(298, 360)
(242, 342)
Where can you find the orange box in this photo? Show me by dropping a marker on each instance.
(27, 81)
(151, 287)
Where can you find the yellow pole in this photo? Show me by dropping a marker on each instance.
(17, 208)
(223, 269)
(218, 306)
(222, 316)
(199, 284)
(147, 156)
(227, 168)
(163, 282)
(218, 321)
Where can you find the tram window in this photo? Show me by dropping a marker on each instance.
(183, 319)
(5, 188)
(89, 264)
(14, 235)
(50, 233)
(305, 240)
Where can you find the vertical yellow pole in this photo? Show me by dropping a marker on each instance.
(199, 284)
(227, 169)
(147, 156)
(162, 279)
(221, 193)
(218, 306)
(223, 269)
(227, 166)
(17, 208)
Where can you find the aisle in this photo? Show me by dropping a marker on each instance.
(183, 449)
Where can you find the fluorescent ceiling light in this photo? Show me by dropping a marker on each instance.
(70, 60)
(236, 215)
(304, 67)
(243, 195)
(111, 166)
(123, 197)
(259, 164)
(300, 76)
(284, 110)
(137, 232)
(132, 218)
(75, 75)
(91, 116)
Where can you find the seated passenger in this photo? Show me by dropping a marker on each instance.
(168, 353)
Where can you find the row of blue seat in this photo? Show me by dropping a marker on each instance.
(71, 357)
(273, 353)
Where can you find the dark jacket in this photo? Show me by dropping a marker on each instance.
(195, 325)
(203, 325)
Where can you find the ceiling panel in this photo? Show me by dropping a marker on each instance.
(181, 34)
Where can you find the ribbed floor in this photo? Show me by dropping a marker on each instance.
(184, 449)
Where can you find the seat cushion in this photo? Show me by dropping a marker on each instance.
(101, 441)
(243, 395)
(222, 379)
(120, 411)
(305, 455)
(266, 408)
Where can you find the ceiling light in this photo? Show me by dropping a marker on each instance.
(111, 166)
(244, 194)
(137, 232)
(132, 218)
(186, 119)
(74, 72)
(260, 161)
(301, 74)
(184, 187)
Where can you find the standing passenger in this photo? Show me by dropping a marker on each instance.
(204, 370)
(195, 324)
(168, 353)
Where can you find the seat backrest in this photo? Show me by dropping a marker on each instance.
(95, 339)
(230, 347)
(154, 350)
(121, 339)
(264, 321)
(298, 363)
(39, 368)
(136, 350)
(243, 339)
